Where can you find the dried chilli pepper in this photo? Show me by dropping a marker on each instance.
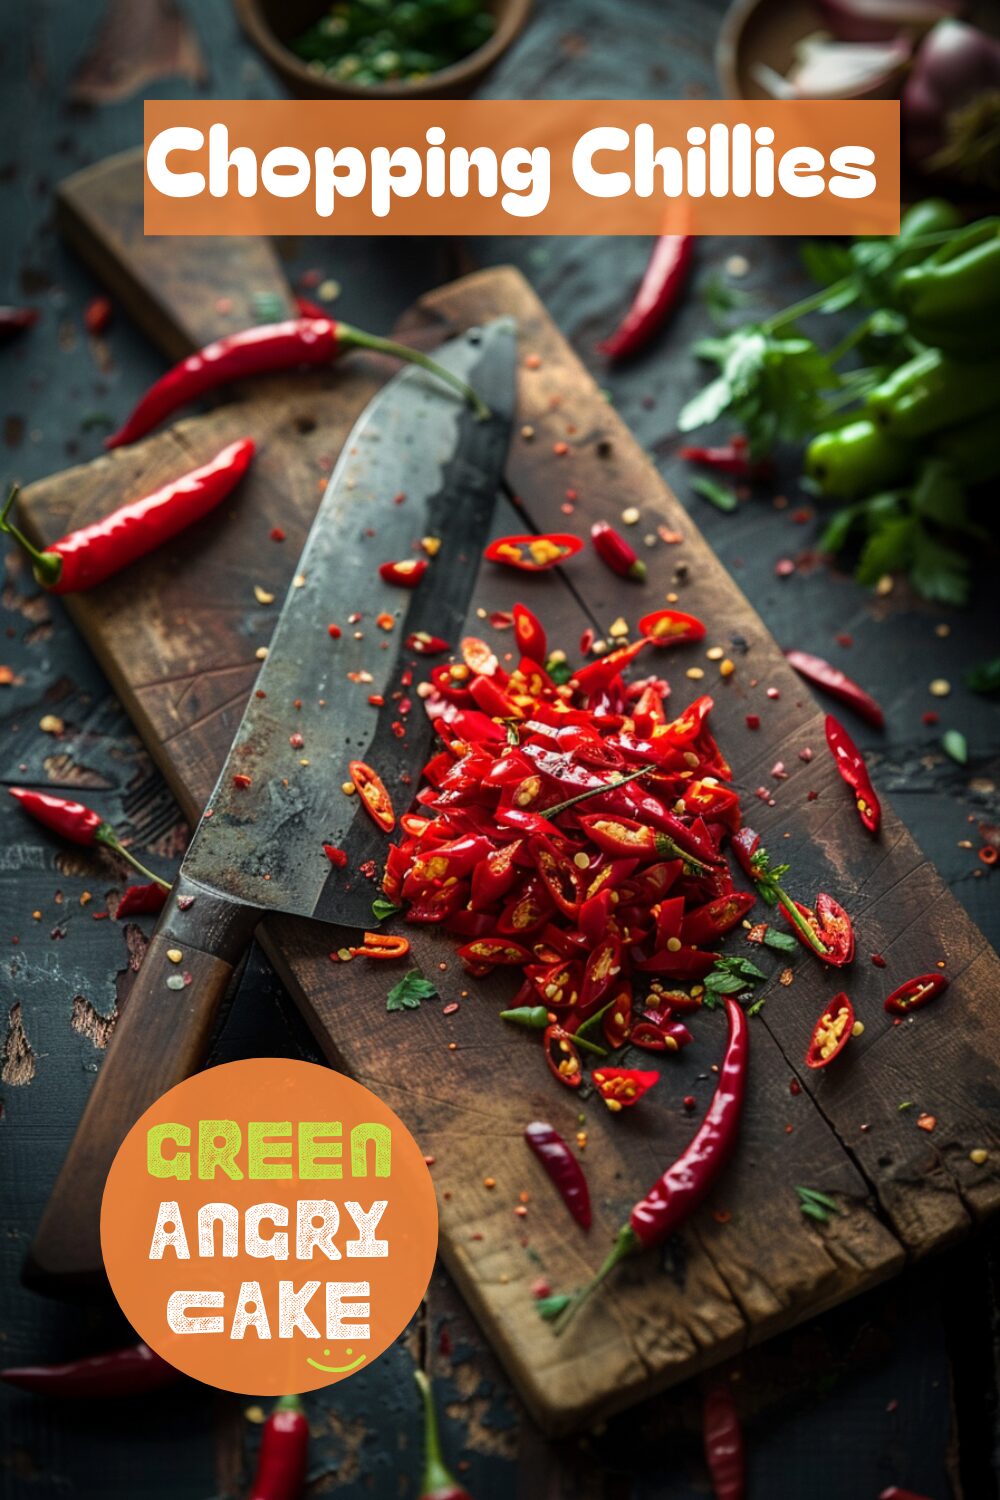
(436, 1482)
(616, 553)
(86, 557)
(730, 458)
(620, 1088)
(723, 1439)
(659, 292)
(533, 554)
(915, 993)
(678, 1192)
(851, 765)
(831, 1033)
(281, 1464)
(121, 1372)
(835, 682)
(562, 1167)
(80, 824)
(671, 627)
(375, 798)
(266, 350)
(403, 575)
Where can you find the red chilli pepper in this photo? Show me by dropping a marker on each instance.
(851, 765)
(88, 556)
(529, 632)
(281, 1466)
(681, 1188)
(895, 1493)
(562, 1056)
(122, 1372)
(656, 298)
(381, 945)
(370, 788)
(265, 350)
(615, 552)
(915, 993)
(723, 1439)
(829, 923)
(79, 824)
(822, 675)
(14, 320)
(831, 1033)
(730, 458)
(493, 950)
(620, 1088)
(141, 901)
(562, 1167)
(426, 645)
(671, 627)
(533, 554)
(403, 575)
(436, 1483)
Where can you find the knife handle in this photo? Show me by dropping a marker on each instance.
(159, 1039)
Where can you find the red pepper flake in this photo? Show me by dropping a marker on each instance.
(926, 1122)
(400, 498)
(773, 693)
(586, 641)
(753, 721)
(802, 515)
(540, 1288)
(812, 796)
(376, 700)
(778, 771)
(989, 854)
(930, 718)
(502, 619)
(277, 535)
(334, 632)
(296, 741)
(98, 314)
(672, 538)
(806, 754)
(757, 933)
(795, 1087)
(844, 639)
(878, 960)
(337, 857)
(560, 449)
(242, 780)
(784, 567)
(689, 1101)
(532, 361)
(398, 729)
(450, 1008)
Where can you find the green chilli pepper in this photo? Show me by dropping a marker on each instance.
(855, 460)
(952, 298)
(536, 1017)
(932, 391)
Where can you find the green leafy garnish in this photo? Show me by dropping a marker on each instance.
(730, 975)
(549, 1308)
(383, 909)
(783, 941)
(954, 743)
(408, 993)
(985, 678)
(816, 1205)
(720, 495)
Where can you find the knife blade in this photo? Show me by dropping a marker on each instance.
(259, 845)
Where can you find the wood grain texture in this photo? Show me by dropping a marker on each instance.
(179, 644)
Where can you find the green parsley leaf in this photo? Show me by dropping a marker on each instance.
(383, 909)
(560, 672)
(783, 941)
(812, 1196)
(408, 993)
(742, 967)
(953, 742)
(723, 984)
(985, 678)
(889, 549)
(721, 496)
(939, 573)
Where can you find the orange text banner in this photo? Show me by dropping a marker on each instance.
(502, 167)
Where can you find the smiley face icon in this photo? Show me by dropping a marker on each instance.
(337, 1369)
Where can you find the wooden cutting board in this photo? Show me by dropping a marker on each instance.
(178, 639)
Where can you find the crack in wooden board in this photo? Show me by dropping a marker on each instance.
(765, 1267)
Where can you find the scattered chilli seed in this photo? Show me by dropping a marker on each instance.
(940, 687)
(979, 1156)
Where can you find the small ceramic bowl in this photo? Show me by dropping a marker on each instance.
(271, 25)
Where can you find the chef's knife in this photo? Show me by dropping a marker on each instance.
(418, 464)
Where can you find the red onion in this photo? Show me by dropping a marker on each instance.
(882, 20)
(951, 104)
(839, 70)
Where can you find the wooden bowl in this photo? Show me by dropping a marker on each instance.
(272, 24)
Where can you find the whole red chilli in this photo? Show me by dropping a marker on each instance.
(723, 1438)
(281, 1466)
(121, 1372)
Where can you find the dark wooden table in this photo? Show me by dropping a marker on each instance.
(897, 1388)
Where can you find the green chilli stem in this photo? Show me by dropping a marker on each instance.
(106, 835)
(361, 340)
(626, 1243)
(47, 565)
(798, 921)
(436, 1476)
(597, 791)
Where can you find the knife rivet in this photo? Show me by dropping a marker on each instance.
(175, 955)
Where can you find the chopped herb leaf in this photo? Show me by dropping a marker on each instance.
(720, 495)
(383, 909)
(985, 678)
(783, 941)
(549, 1308)
(954, 744)
(408, 993)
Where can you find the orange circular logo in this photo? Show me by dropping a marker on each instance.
(269, 1226)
